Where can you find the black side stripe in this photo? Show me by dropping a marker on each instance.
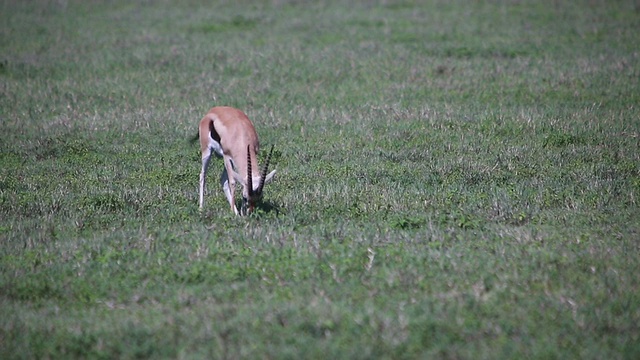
(214, 134)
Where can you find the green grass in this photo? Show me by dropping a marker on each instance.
(455, 180)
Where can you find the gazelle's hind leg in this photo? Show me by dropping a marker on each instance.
(206, 156)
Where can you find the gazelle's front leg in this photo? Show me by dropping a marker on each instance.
(228, 189)
(229, 184)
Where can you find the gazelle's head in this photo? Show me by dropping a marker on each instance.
(252, 193)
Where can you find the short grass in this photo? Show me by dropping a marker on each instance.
(455, 180)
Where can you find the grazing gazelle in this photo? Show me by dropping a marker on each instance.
(230, 134)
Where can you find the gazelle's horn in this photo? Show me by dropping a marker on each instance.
(264, 171)
(249, 174)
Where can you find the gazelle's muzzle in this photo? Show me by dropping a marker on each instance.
(247, 206)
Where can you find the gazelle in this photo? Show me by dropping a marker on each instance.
(230, 134)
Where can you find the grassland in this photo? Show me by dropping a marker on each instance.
(455, 180)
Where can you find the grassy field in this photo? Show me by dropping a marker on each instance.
(456, 179)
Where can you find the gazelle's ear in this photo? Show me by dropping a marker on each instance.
(269, 177)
